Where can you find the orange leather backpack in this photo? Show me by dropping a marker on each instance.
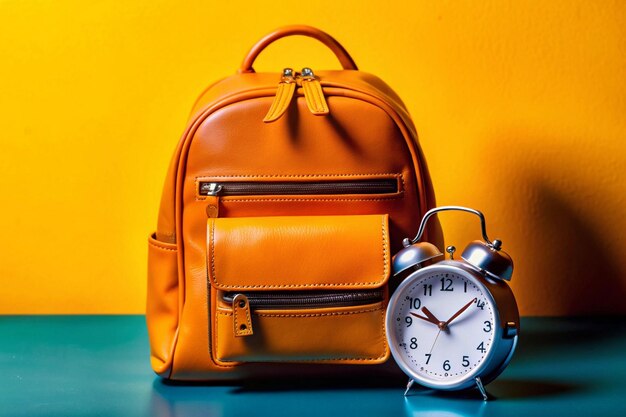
(283, 204)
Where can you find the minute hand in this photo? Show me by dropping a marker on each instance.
(458, 313)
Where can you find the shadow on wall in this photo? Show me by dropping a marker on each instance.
(573, 262)
(560, 211)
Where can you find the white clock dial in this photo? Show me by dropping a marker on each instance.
(444, 326)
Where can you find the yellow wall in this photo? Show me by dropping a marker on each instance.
(521, 108)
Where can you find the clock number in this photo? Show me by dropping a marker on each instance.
(413, 344)
(428, 289)
(466, 361)
(415, 303)
(487, 327)
(428, 355)
(481, 347)
(464, 286)
(446, 284)
(408, 320)
(446, 365)
(480, 304)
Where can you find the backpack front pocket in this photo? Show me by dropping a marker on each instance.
(298, 288)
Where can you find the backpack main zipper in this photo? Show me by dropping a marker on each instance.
(311, 87)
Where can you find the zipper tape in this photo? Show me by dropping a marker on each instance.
(312, 299)
(381, 186)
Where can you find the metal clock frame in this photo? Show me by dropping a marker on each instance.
(500, 351)
(506, 314)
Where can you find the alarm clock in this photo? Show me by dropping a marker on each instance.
(452, 324)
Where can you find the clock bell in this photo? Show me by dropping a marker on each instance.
(486, 256)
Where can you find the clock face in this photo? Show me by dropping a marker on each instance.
(442, 325)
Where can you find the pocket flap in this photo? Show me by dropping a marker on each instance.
(298, 252)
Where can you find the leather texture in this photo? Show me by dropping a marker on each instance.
(344, 57)
(314, 96)
(162, 306)
(311, 248)
(341, 335)
(241, 316)
(281, 102)
(366, 135)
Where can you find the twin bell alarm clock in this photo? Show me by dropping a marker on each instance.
(452, 324)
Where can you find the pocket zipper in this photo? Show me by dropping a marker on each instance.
(308, 299)
(380, 186)
(243, 303)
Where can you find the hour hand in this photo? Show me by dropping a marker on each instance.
(430, 320)
(431, 316)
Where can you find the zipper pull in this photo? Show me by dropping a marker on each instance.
(242, 322)
(313, 93)
(284, 94)
(212, 191)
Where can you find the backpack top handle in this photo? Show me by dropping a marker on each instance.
(340, 52)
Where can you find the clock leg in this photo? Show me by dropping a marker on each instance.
(408, 386)
(481, 388)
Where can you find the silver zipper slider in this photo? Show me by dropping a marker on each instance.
(307, 73)
(288, 75)
(210, 188)
(313, 93)
(211, 191)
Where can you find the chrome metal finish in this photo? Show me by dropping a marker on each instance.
(495, 263)
(307, 73)
(510, 329)
(210, 188)
(414, 255)
(431, 212)
(408, 386)
(288, 74)
(451, 249)
(481, 388)
(493, 358)
(502, 349)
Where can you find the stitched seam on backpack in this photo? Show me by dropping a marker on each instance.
(297, 315)
(382, 312)
(333, 284)
(399, 194)
(385, 246)
(213, 346)
(395, 174)
(217, 332)
(319, 106)
(255, 200)
(161, 247)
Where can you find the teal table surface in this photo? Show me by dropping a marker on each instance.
(98, 366)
